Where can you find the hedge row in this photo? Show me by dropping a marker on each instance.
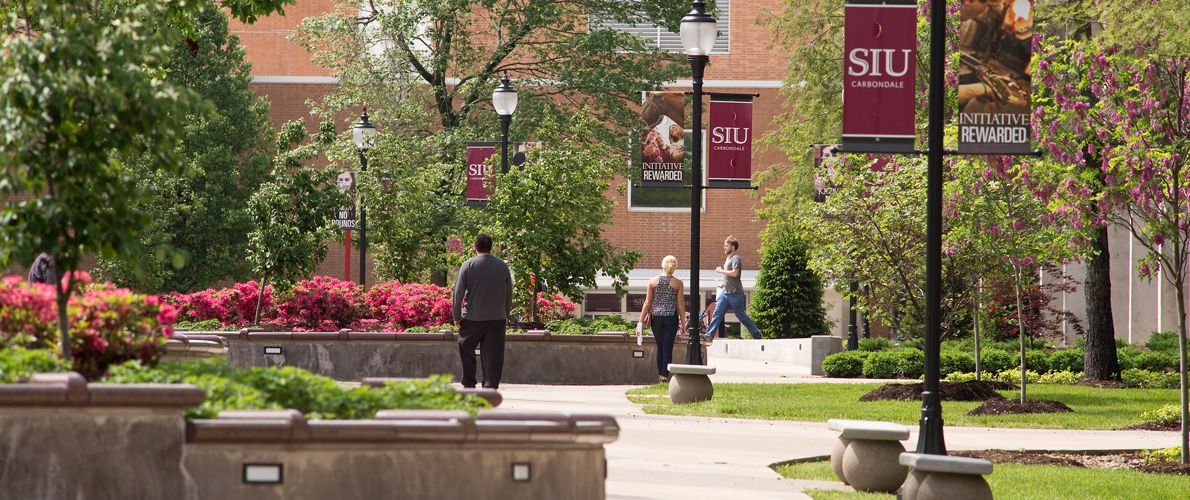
(907, 362)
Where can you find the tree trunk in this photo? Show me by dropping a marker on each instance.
(975, 320)
(259, 300)
(1182, 368)
(1099, 355)
(63, 297)
(1020, 324)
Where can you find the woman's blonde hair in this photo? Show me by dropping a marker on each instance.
(669, 263)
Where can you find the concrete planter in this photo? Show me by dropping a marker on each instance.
(807, 353)
(530, 358)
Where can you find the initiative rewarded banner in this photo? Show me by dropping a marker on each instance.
(663, 148)
(477, 171)
(995, 45)
(729, 160)
(880, 56)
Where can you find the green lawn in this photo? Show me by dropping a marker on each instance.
(1094, 408)
(1012, 481)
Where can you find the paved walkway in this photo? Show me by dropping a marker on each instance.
(665, 457)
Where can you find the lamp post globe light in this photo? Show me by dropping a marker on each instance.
(698, 33)
(504, 99)
(363, 133)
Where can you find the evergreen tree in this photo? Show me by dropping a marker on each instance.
(788, 299)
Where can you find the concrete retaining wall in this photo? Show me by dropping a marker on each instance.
(807, 353)
(532, 358)
(63, 438)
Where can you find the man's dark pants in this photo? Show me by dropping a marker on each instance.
(489, 336)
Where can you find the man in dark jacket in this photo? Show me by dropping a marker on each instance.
(482, 302)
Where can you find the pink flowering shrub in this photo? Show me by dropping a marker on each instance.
(111, 325)
(28, 313)
(322, 303)
(399, 306)
(234, 306)
(552, 307)
(107, 325)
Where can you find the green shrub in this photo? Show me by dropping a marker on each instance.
(588, 326)
(1066, 360)
(17, 363)
(206, 325)
(1156, 361)
(1163, 342)
(1144, 379)
(1014, 376)
(1169, 455)
(1166, 414)
(894, 364)
(882, 364)
(874, 344)
(960, 377)
(1060, 377)
(316, 396)
(1037, 361)
(845, 364)
(993, 361)
(788, 298)
(1127, 356)
(954, 361)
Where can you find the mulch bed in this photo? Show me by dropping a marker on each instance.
(1009, 406)
(1109, 460)
(1155, 426)
(984, 390)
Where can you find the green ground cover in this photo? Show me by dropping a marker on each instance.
(1014, 481)
(1094, 408)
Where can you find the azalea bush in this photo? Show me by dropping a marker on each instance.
(321, 303)
(108, 325)
(403, 306)
(551, 307)
(232, 306)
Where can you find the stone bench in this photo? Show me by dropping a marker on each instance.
(866, 456)
(935, 477)
(690, 383)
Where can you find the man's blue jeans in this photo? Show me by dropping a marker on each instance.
(736, 302)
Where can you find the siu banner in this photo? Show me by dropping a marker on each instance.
(879, 63)
(663, 147)
(477, 172)
(995, 45)
(729, 160)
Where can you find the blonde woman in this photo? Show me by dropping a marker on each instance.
(665, 310)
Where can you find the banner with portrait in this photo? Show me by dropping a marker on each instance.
(478, 188)
(663, 145)
(879, 71)
(729, 158)
(345, 216)
(995, 45)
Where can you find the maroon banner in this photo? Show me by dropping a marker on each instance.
(729, 161)
(880, 57)
(995, 46)
(477, 171)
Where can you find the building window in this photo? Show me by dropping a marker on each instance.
(672, 42)
(602, 303)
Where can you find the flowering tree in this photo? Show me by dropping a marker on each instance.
(1128, 104)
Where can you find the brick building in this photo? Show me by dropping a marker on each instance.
(744, 60)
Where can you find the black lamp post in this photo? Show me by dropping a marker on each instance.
(698, 36)
(363, 134)
(930, 439)
(504, 99)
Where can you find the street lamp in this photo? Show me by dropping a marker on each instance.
(504, 99)
(698, 37)
(363, 134)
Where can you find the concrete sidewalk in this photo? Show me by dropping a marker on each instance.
(662, 457)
